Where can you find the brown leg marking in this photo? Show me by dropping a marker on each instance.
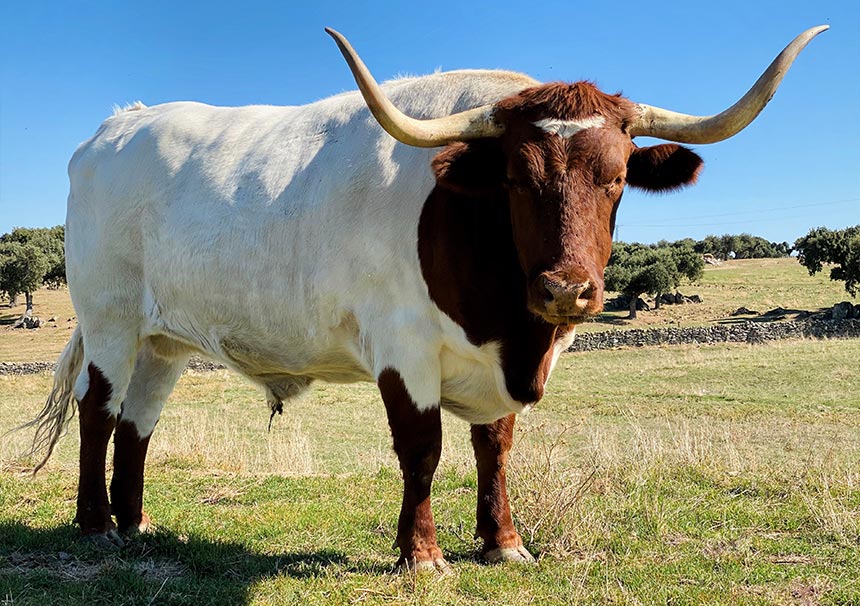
(96, 425)
(418, 444)
(126, 487)
(491, 444)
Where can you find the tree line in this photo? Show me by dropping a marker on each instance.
(29, 259)
(655, 269)
(739, 246)
(33, 257)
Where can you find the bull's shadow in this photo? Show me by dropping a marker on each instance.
(51, 565)
(43, 566)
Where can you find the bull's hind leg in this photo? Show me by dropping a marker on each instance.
(502, 542)
(100, 388)
(159, 365)
(418, 443)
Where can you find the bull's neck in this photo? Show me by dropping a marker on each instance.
(469, 262)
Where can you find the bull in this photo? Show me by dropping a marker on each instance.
(440, 236)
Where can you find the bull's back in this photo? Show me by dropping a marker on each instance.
(258, 227)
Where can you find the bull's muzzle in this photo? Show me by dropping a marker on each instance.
(561, 299)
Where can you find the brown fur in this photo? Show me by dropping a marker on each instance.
(516, 223)
(565, 102)
(663, 168)
(126, 487)
(96, 425)
(417, 440)
(491, 444)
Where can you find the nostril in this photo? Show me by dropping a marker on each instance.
(580, 291)
(548, 293)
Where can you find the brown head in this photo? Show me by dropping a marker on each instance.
(563, 159)
(563, 153)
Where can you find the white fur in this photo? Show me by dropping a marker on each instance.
(128, 107)
(279, 240)
(568, 128)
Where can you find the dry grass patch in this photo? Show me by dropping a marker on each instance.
(43, 344)
(757, 284)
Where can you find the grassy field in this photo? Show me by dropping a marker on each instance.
(687, 475)
(758, 284)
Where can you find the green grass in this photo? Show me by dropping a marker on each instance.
(723, 475)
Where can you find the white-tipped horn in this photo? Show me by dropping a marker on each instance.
(684, 128)
(470, 124)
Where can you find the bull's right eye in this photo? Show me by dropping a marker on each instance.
(615, 186)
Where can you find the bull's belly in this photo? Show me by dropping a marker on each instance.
(271, 355)
(335, 365)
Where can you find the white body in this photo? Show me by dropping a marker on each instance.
(281, 241)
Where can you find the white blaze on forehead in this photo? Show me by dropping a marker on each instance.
(568, 128)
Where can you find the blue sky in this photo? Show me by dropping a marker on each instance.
(64, 64)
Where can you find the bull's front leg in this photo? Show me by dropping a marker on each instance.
(502, 542)
(417, 438)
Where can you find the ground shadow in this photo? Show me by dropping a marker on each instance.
(50, 565)
(774, 315)
(6, 319)
(611, 320)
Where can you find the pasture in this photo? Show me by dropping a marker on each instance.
(724, 474)
(758, 284)
(687, 475)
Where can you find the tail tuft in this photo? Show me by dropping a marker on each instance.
(52, 422)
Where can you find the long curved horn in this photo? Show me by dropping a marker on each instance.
(683, 128)
(470, 124)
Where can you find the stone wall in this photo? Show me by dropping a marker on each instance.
(31, 368)
(741, 332)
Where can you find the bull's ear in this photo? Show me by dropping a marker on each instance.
(473, 168)
(663, 167)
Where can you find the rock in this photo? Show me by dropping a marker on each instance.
(28, 321)
(842, 311)
(52, 319)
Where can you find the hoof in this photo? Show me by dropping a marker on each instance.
(108, 540)
(412, 565)
(145, 526)
(509, 554)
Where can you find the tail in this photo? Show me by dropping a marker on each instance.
(52, 422)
